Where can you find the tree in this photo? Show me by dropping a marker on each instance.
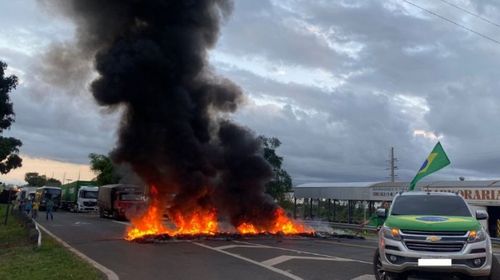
(281, 182)
(104, 168)
(53, 182)
(35, 179)
(9, 146)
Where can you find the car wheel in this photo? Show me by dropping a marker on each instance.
(381, 274)
(378, 269)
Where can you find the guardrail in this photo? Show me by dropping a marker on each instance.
(319, 224)
(357, 227)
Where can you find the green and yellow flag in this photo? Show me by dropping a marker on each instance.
(435, 161)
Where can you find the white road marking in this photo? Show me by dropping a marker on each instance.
(305, 252)
(285, 258)
(279, 271)
(123, 223)
(108, 272)
(364, 277)
(346, 244)
(81, 223)
(242, 246)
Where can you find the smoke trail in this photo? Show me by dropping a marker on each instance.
(152, 60)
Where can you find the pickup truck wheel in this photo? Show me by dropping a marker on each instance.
(378, 270)
(381, 274)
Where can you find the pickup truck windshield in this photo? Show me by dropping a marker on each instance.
(430, 205)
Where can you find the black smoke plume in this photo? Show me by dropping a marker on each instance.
(151, 56)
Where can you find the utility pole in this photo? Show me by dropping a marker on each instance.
(393, 165)
(8, 207)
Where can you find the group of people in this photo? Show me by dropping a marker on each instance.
(31, 206)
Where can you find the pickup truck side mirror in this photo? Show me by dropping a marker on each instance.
(481, 215)
(381, 212)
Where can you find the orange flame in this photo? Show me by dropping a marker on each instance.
(151, 222)
(197, 223)
(147, 224)
(285, 225)
(281, 224)
(246, 228)
(202, 222)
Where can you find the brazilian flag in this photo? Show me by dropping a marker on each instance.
(435, 161)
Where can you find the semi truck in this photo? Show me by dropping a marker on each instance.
(46, 193)
(79, 196)
(120, 201)
(26, 193)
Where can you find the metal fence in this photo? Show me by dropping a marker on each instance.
(358, 227)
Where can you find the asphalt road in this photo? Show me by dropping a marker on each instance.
(102, 240)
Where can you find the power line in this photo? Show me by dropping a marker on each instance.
(454, 22)
(471, 13)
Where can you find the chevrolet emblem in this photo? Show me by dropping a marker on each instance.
(433, 238)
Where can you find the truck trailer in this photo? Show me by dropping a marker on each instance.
(79, 196)
(121, 201)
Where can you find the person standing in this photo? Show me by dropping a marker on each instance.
(49, 207)
(375, 220)
(22, 203)
(28, 207)
(34, 212)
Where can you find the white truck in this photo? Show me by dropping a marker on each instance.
(79, 196)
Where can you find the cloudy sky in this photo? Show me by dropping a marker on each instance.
(338, 82)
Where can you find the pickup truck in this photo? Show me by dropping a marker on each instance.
(432, 233)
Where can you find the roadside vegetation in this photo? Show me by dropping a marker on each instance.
(9, 146)
(21, 259)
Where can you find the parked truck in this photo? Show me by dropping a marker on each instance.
(120, 201)
(79, 196)
(46, 193)
(26, 193)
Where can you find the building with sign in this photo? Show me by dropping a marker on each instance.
(484, 195)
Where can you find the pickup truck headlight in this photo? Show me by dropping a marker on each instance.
(476, 236)
(391, 233)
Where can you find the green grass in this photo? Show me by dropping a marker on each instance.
(21, 260)
(14, 234)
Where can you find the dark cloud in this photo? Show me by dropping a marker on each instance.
(451, 72)
(401, 70)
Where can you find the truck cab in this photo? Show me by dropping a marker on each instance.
(87, 199)
(432, 233)
(120, 201)
(46, 193)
